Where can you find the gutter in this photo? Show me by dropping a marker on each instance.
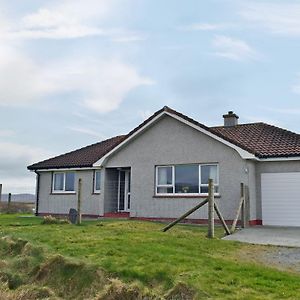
(37, 193)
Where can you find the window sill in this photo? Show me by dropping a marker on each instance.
(63, 193)
(184, 196)
(96, 193)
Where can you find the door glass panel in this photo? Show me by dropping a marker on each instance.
(128, 189)
(128, 201)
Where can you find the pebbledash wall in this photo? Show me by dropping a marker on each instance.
(171, 142)
(49, 203)
(167, 142)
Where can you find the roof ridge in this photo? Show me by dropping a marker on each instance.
(238, 125)
(282, 129)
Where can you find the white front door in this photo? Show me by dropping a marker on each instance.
(280, 196)
(124, 191)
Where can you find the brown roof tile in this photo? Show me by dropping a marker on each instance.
(263, 140)
(81, 158)
(260, 139)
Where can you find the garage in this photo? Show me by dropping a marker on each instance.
(281, 199)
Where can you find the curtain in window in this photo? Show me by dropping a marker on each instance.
(59, 182)
(213, 173)
(164, 175)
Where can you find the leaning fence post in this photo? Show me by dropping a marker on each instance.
(79, 202)
(8, 202)
(211, 223)
(243, 211)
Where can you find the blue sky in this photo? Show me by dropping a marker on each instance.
(76, 72)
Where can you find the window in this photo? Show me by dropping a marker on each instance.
(64, 182)
(97, 182)
(164, 180)
(186, 179)
(208, 172)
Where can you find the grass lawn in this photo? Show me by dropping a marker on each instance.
(139, 252)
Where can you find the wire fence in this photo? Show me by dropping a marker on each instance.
(17, 203)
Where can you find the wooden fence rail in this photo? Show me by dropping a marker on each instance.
(212, 207)
(185, 215)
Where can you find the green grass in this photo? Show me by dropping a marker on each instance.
(139, 252)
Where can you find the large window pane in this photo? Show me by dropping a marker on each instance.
(59, 181)
(70, 181)
(187, 179)
(164, 175)
(209, 172)
(97, 180)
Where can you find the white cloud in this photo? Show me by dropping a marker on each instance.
(22, 81)
(87, 131)
(206, 27)
(60, 20)
(279, 18)
(145, 114)
(233, 49)
(19, 184)
(13, 153)
(128, 38)
(101, 83)
(6, 132)
(14, 158)
(106, 83)
(67, 20)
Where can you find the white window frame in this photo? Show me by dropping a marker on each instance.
(157, 186)
(216, 184)
(64, 184)
(173, 181)
(95, 184)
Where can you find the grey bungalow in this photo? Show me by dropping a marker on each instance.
(161, 168)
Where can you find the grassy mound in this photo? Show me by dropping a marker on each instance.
(28, 273)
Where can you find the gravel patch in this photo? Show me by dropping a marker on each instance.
(282, 258)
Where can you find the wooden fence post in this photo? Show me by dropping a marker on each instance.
(242, 200)
(79, 202)
(8, 202)
(211, 221)
(0, 192)
(243, 211)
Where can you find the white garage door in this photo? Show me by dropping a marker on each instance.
(281, 199)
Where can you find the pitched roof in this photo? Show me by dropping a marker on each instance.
(260, 139)
(263, 140)
(81, 158)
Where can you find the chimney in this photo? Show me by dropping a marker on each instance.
(230, 119)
